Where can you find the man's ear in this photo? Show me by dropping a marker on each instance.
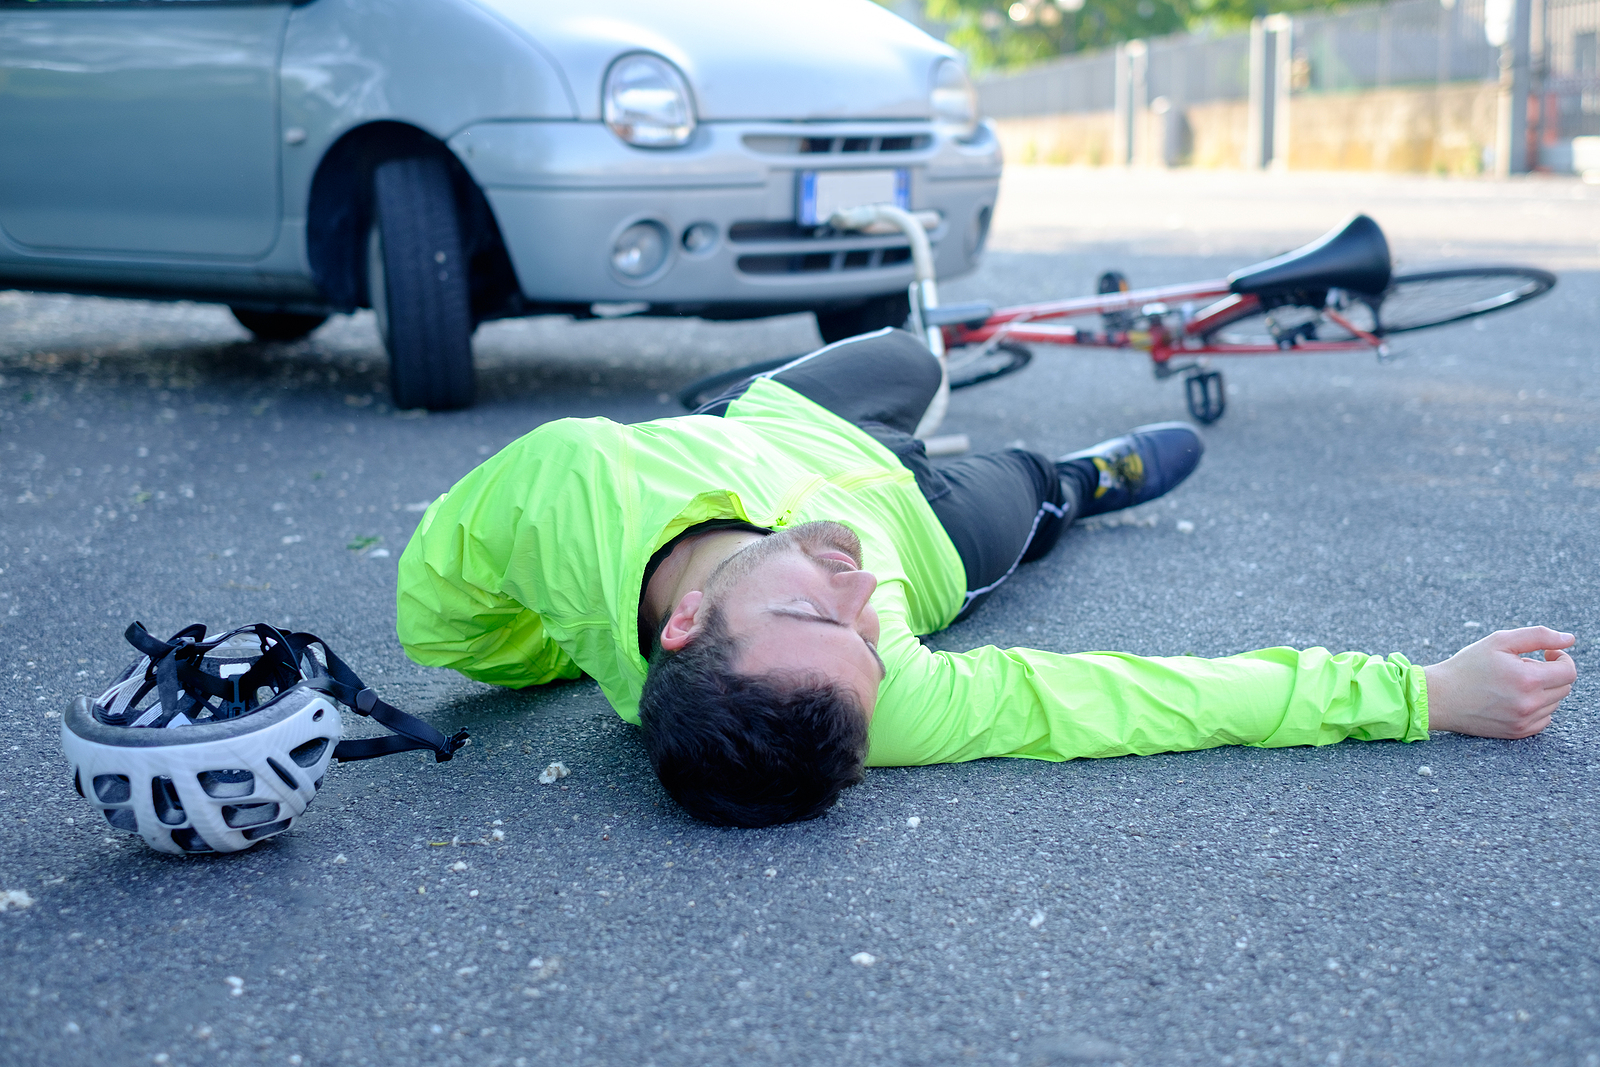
(682, 624)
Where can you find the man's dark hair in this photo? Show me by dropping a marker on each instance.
(737, 750)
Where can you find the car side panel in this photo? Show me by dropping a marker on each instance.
(144, 129)
(439, 65)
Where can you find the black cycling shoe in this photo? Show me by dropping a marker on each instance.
(1141, 465)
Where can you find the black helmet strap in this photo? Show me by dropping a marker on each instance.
(182, 685)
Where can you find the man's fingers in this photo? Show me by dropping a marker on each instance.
(1532, 639)
(1554, 673)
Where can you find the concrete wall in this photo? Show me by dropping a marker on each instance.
(1419, 130)
(1083, 138)
(1435, 131)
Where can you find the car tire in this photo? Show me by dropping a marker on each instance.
(891, 309)
(277, 325)
(417, 284)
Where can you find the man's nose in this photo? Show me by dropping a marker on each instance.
(855, 589)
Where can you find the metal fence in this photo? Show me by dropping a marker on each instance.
(1567, 69)
(1408, 42)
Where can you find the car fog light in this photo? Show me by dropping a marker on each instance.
(640, 250)
(701, 237)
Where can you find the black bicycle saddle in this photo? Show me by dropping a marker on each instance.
(1354, 256)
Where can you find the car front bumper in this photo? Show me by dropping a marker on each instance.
(562, 193)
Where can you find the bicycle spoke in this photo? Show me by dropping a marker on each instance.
(1288, 325)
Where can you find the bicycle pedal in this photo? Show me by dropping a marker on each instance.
(1206, 396)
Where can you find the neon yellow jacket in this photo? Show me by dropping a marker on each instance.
(529, 571)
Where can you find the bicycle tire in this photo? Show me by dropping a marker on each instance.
(1434, 298)
(967, 368)
(702, 391)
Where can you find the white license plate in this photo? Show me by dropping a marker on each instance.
(822, 192)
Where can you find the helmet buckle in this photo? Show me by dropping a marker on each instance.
(238, 705)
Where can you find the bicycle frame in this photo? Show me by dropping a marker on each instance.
(1031, 324)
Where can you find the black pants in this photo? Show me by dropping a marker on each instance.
(1000, 509)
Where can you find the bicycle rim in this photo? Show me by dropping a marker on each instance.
(1433, 298)
(969, 366)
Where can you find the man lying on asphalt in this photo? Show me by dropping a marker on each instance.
(748, 583)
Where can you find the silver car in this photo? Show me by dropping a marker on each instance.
(446, 162)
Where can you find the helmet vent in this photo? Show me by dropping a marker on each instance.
(113, 789)
(77, 781)
(239, 816)
(164, 795)
(226, 784)
(190, 841)
(288, 779)
(123, 819)
(256, 833)
(307, 754)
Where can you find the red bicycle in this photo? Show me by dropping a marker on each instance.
(1336, 294)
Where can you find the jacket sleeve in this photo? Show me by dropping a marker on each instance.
(448, 616)
(944, 707)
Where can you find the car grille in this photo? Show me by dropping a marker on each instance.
(785, 145)
(821, 262)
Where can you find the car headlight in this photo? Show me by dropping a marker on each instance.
(953, 100)
(646, 102)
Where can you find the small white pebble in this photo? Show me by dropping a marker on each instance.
(204, 1033)
(160, 1057)
(498, 835)
(1185, 526)
(459, 865)
(553, 773)
(536, 963)
(340, 858)
(497, 822)
(772, 872)
(71, 1028)
(378, 553)
(296, 1060)
(864, 959)
(15, 898)
(1037, 920)
(463, 972)
(236, 985)
(914, 822)
(1425, 771)
(1470, 625)
(473, 893)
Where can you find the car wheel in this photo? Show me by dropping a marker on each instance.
(277, 325)
(889, 310)
(418, 286)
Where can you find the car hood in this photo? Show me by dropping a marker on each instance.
(745, 59)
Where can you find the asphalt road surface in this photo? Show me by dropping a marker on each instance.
(1340, 905)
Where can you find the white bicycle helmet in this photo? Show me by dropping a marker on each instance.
(213, 744)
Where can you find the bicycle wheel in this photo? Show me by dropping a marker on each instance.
(971, 365)
(1433, 298)
(702, 391)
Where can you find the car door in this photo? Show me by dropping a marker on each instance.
(138, 127)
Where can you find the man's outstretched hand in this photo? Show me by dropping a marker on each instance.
(1489, 689)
